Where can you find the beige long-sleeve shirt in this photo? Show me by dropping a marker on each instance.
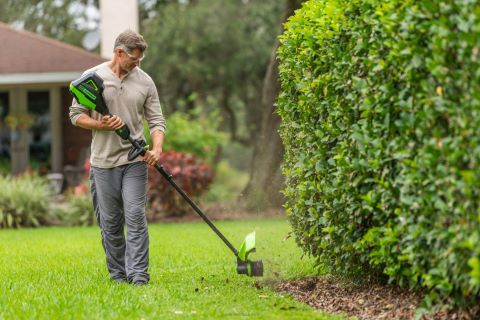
(133, 99)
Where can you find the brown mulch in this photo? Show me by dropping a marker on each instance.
(372, 301)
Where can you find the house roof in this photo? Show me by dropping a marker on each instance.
(29, 53)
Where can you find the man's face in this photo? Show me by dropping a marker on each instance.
(130, 60)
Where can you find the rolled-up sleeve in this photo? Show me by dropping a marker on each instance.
(153, 111)
(76, 110)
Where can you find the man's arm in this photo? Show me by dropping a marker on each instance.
(107, 123)
(80, 117)
(156, 123)
(152, 156)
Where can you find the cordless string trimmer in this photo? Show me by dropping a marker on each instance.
(88, 91)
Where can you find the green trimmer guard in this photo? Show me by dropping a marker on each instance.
(244, 265)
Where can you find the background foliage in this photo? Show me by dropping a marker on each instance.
(194, 133)
(213, 54)
(381, 107)
(24, 201)
(76, 209)
(67, 20)
(190, 174)
(210, 56)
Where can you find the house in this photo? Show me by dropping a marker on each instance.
(35, 129)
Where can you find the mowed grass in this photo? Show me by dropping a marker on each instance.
(60, 273)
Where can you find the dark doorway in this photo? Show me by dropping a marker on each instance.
(40, 137)
(4, 134)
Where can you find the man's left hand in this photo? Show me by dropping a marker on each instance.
(152, 156)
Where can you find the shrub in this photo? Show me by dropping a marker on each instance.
(5, 166)
(189, 174)
(192, 133)
(77, 208)
(380, 105)
(24, 201)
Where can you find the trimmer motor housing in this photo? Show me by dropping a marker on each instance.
(250, 268)
(245, 265)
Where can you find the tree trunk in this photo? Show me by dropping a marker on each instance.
(266, 179)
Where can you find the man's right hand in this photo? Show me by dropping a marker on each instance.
(111, 123)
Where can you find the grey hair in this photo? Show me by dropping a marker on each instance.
(129, 40)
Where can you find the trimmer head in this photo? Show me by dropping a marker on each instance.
(244, 265)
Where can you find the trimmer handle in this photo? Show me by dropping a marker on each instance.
(138, 149)
(123, 132)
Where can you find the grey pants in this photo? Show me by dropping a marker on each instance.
(119, 197)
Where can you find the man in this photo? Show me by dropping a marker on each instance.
(119, 186)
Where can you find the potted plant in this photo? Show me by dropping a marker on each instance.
(18, 122)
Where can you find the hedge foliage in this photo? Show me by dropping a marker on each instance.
(380, 105)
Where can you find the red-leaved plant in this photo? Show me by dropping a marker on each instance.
(193, 176)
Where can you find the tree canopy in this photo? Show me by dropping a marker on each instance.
(213, 54)
(65, 20)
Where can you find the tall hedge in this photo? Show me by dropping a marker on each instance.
(380, 105)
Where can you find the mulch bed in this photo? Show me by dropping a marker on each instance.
(372, 301)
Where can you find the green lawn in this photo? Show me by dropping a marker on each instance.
(60, 273)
